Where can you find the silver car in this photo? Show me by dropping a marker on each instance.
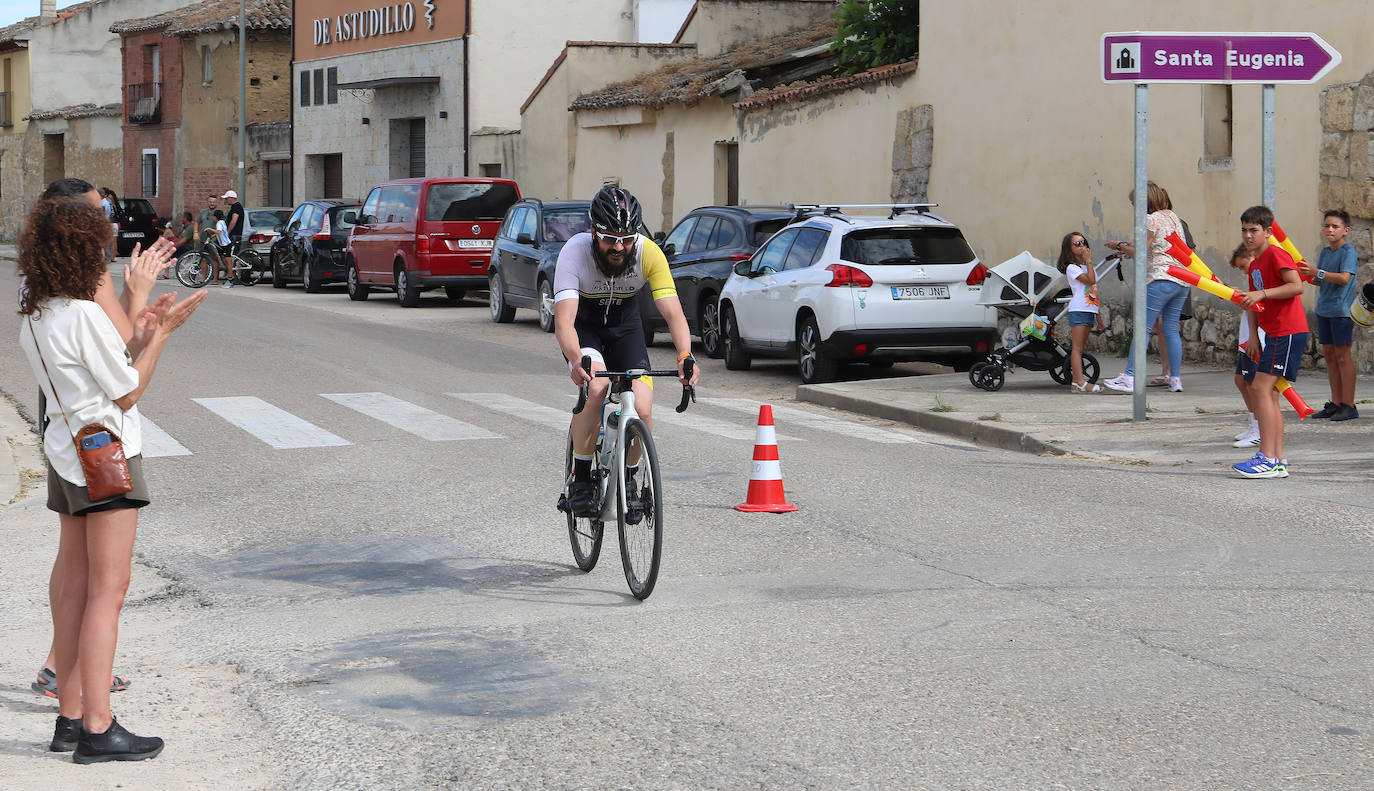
(261, 226)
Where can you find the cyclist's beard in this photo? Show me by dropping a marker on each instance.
(608, 269)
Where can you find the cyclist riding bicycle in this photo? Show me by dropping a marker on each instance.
(596, 315)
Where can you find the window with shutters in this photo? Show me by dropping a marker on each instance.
(319, 86)
(305, 89)
(332, 84)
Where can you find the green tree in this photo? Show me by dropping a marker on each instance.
(876, 32)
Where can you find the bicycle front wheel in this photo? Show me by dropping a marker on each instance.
(640, 513)
(584, 533)
(194, 270)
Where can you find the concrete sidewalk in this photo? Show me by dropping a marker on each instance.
(1194, 428)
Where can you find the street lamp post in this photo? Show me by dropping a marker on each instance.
(243, 97)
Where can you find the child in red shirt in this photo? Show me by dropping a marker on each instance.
(1276, 281)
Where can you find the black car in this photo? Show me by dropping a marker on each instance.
(138, 224)
(522, 262)
(311, 246)
(702, 250)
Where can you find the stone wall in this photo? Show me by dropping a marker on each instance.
(913, 147)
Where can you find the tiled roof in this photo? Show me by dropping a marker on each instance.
(17, 30)
(211, 15)
(562, 56)
(78, 111)
(688, 81)
(807, 90)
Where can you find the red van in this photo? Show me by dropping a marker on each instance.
(416, 234)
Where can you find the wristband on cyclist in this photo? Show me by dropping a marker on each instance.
(683, 356)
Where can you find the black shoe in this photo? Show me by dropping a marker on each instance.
(582, 498)
(1345, 412)
(1326, 411)
(115, 744)
(65, 735)
(634, 501)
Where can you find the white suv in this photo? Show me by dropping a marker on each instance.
(833, 288)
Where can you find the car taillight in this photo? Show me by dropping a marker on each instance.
(841, 275)
(422, 243)
(325, 232)
(258, 238)
(735, 258)
(978, 275)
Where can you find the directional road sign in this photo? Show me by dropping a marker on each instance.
(1267, 58)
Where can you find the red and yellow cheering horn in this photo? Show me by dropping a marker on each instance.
(1288, 246)
(1181, 252)
(1214, 287)
(1291, 393)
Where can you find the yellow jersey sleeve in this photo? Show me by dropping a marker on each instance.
(656, 273)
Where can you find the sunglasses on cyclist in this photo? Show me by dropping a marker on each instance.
(1080, 242)
(624, 241)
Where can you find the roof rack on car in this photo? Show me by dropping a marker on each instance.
(834, 209)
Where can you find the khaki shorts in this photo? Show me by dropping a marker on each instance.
(67, 498)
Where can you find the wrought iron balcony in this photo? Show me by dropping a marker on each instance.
(145, 102)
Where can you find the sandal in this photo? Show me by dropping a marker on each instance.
(46, 683)
(1158, 381)
(1086, 387)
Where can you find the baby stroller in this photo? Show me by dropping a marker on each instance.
(1035, 292)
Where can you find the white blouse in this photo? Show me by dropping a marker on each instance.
(90, 366)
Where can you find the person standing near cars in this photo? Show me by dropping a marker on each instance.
(205, 220)
(233, 220)
(68, 338)
(110, 204)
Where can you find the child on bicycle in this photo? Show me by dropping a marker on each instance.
(225, 248)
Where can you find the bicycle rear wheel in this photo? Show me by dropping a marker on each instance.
(584, 533)
(641, 533)
(248, 268)
(194, 270)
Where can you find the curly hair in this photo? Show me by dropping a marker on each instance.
(61, 252)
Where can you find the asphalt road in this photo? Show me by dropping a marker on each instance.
(400, 610)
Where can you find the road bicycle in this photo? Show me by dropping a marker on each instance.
(638, 512)
(195, 269)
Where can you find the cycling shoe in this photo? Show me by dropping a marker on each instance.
(582, 498)
(634, 502)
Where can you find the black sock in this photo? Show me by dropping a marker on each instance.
(582, 469)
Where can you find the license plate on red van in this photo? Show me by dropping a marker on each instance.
(474, 244)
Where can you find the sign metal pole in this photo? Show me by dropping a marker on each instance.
(1140, 332)
(1268, 146)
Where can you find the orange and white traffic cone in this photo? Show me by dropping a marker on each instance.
(765, 480)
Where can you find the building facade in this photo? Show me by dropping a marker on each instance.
(61, 100)
(181, 105)
(407, 89)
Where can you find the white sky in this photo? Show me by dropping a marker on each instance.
(12, 11)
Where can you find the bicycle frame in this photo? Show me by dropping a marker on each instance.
(610, 447)
(611, 450)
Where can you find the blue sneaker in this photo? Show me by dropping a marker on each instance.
(1261, 466)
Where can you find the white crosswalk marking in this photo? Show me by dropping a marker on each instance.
(519, 407)
(157, 443)
(792, 416)
(711, 425)
(276, 427)
(415, 419)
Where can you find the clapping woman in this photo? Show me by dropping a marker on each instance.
(89, 375)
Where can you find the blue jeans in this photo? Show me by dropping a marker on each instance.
(1164, 298)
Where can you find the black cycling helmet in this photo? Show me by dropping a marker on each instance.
(615, 211)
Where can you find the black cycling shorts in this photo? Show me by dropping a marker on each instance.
(622, 345)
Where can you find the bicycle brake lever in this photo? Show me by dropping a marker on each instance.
(689, 393)
(582, 389)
